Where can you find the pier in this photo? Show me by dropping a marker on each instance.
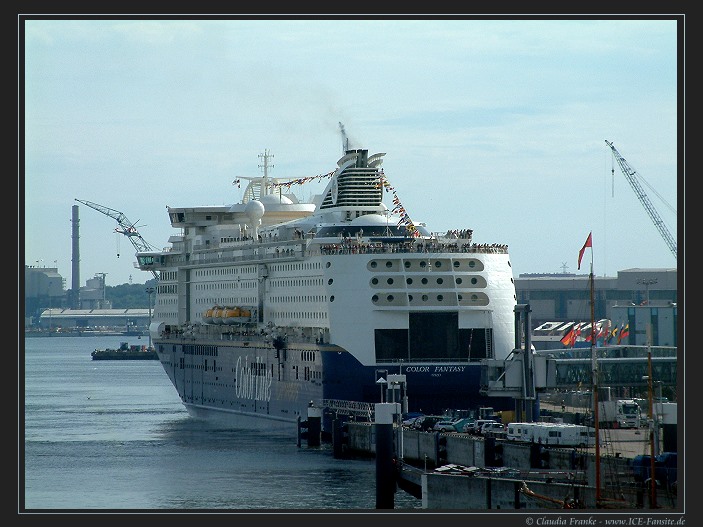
(462, 471)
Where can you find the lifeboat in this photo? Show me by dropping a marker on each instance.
(207, 316)
(230, 315)
(217, 315)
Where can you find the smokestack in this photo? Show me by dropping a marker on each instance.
(75, 260)
(345, 139)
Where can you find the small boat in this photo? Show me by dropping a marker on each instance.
(125, 352)
(207, 317)
(217, 313)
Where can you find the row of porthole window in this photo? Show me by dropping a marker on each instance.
(424, 298)
(437, 264)
(409, 281)
(307, 356)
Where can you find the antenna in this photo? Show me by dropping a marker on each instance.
(265, 156)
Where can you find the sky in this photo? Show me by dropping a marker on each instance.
(497, 125)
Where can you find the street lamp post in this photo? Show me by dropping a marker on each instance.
(150, 291)
(646, 282)
(382, 383)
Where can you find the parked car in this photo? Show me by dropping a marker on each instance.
(409, 418)
(492, 429)
(476, 428)
(426, 422)
(461, 424)
(445, 425)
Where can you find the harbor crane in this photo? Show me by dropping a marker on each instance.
(630, 174)
(124, 226)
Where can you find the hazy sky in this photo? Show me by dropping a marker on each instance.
(494, 125)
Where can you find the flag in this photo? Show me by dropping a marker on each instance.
(622, 328)
(589, 243)
(566, 339)
(624, 332)
(575, 334)
(604, 332)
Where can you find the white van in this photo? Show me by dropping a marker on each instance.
(478, 424)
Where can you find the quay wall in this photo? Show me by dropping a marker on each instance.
(540, 470)
(432, 449)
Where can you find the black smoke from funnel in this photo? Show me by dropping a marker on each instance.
(345, 139)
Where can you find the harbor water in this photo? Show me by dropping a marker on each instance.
(113, 436)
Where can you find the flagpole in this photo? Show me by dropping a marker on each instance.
(594, 364)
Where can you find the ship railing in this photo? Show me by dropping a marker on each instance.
(296, 250)
(354, 247)
(358, 408)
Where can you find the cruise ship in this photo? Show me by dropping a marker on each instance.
(272, 305)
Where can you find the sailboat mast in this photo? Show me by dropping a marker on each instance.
(652, 479)
(594, 366)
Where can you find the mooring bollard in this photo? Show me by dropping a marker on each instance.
(314, 425)
(385, 468)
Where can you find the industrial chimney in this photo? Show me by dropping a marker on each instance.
(75, 261)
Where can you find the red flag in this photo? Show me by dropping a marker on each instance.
(589, 243)
(566, 339)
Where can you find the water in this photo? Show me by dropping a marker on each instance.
(114, 436)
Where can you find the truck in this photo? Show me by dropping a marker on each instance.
(619, 413)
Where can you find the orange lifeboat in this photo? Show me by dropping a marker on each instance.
(230, 315)
(217, 315)
(207, 316)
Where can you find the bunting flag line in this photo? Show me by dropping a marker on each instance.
(382, 183)
(303, 180)
(589, 243)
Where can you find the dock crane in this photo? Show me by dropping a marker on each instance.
(124, 226)
(630, 174)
